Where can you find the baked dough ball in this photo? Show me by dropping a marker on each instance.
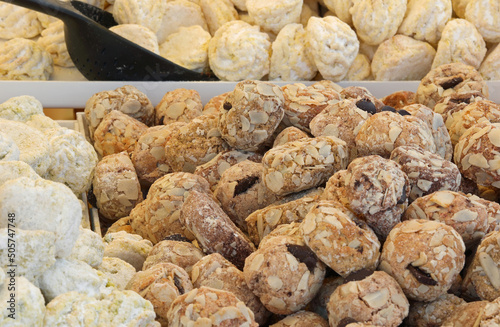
(333, 46)
(116, 186)
(485, 15)
(21, 108)
(239, 51)
(433, 313)
(399, 99)
(180, 13)
(490, 67)
(43, 205)
(218, 13)
(9, 151)
(148, 13)
(214, 105)
(23, 59)
(133, 310)
(15, 169)
(138, 34)
(71, 275)
(52, 39)
(131, 248)
(188, 47)
(402, 58)
(35, 252)
(16, 21)
(178, 105)
(425, 19)
(377, 21)
(341, 8)
(302, 319)
(43, 123)
(272, 16)
(360, 69)
(29, 308)
(290, 60)
(88, 248)
(175, 249)
(289, 134)
(460, 42)
(117, 271)
(127, 99)
(73, 160)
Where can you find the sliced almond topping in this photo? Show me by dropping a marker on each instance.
(258, 117)
(272, 216)
(444, 199)
(394, 133)
(478, 160)
(257, 262)
(265, 89)
(424, 185)
(494, 137)
(422, 260)
(464, 216)
(377, 299)
(175, 110)
(275, 283)
(158, 152)
(245, 123)
(490, 268)
(274, 181)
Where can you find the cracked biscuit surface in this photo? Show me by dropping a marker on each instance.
(485, 15)
(272, 16)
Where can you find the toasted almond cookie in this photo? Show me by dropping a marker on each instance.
(289, 134)
(303, 103)
(360, 69)
(303, 164)
(272, 16)
(248, 48)
(290, 60)
(217, 13)
(214, 105)
(23, 59)
(460, 42)
(399, 99)
(208, 306)
(320, 302)
(138, 34)
(455, 102)
(180, 14)
(326, 227)
(333, 46)
(485, 15)
(433, 313)
(448, 79)
(361, 93)
(216, 272)
(402, 58)
(52, 39)
(148, 13)
(424, 257)
(178, 105)
(19, 22)
(426, 171)
(302, 319)
(377, 21)
(467, 216)
(477, 153)
(466, 314)
(490, 67)
(425, 20)
(372, 297)
(285, 274)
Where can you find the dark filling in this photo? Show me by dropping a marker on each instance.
(421, 276)
(346, 321)
(388, 108)
(358, 275)
(177, 284)
(452, 83)
(91, 197)
(160, 122)
(245, 184)
(304, 255)
(367, 105)
(402, 199)
(403, 112)
(176, 237)
(227, 106)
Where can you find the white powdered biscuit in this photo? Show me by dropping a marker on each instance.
(460, 42)
(367, 49)
(290, 60)
(459, 7)
(52, 40)
(73, 159)
(402, 58)
(43, 205)
(239, 51)
(341, 9)
(218, 13)
(118, 271)
(272, 16)
(138, 34)
(15, 169)
(8, 149)
(17, 21)
(333, 46)
(485, 15)
(88, 248)
(490, 67)
(23, 59)
(43, 123)
(360, 69)
(33, 146)
(29, 307)
(21, 108)
(188, 47)
(148, 13)
(45, 19)
(425, 19)
(377, 21)
(180, 13)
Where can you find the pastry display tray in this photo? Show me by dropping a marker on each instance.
(74, 94)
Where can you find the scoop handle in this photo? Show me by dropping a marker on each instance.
(55, 8)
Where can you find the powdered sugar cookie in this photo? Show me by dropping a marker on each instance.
(360, 69)
(377, 21)
(341, 8)
(23, 59)
(333, 45)
(148, 13)
(272, 16)
(490, 67)
(138, 34)
(485, 15)
(459, 7)
(402, 58)
(16, 21)
(180, 13)
(460, 42)
(244, 42)
(52, 39)
(217, 13)
(188, 47)
(290, 60)
(21, 108)
(9, 151)
(425, 20)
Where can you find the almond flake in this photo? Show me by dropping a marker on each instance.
(394, 133)
(464, 216)
(494, 137)
(490, 268)
(377, 299)
(478, 160)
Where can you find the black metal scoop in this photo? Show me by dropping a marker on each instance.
(102, 55)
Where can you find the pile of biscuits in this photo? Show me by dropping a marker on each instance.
(288, 40)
